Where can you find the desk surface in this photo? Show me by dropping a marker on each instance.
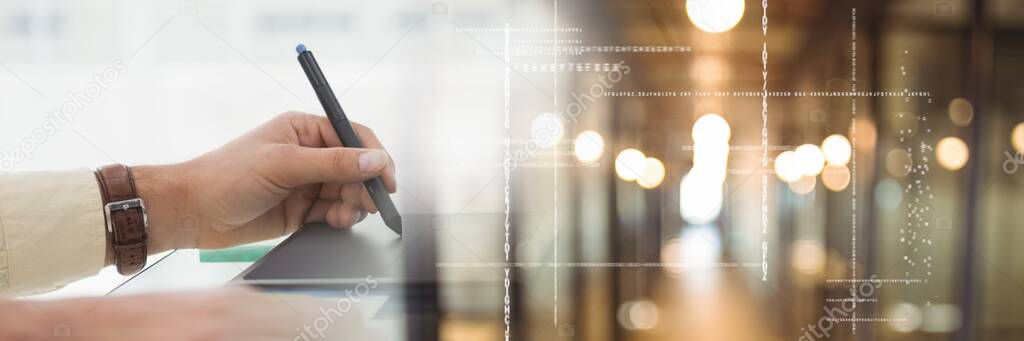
(182, 270)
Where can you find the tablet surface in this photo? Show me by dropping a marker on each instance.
(319, 254)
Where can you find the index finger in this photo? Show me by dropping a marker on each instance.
(317, 131)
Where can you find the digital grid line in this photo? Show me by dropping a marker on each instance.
(556, 265)
(764, 140)
(853, 168)
(506, 167)
(555, 168)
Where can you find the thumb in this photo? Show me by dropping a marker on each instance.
(302, 165)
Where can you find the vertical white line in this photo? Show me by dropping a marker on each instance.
(853, 166)
(507, 168)
(764, 140)
(555, 156)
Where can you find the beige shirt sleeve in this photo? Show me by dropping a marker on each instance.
(52, 230)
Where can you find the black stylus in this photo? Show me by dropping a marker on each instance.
(348, 136)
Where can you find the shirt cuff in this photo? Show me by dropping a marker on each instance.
(52, 230)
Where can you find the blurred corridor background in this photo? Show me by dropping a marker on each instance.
(684, 169)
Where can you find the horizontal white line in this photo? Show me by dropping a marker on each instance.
(851, 299)
(867, 319)
(875, 280)
(593, 265)
(747, 147)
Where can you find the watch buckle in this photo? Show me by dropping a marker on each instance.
(124, 205)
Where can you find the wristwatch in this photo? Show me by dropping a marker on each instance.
(125, 215)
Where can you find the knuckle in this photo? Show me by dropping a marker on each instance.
(299, 119)
(281, 152)
(340, 159)
(364, 131)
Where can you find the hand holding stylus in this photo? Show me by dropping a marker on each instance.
(343, 128)
(264, 184)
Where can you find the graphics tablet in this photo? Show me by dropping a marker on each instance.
(317, 254)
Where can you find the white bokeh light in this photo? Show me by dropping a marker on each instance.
(715, 16)
(837, 150)
(700, 197)
(711, 129)
(786, 167)
(804, 185)
(654, 173)
(952, 153)
(630, 164)
(810, 160)
(589, 146)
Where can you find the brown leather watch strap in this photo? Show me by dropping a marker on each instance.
(126, 217)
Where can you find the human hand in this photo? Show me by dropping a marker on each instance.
(221, 314)
(264, 184)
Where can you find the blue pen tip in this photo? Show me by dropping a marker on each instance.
(300, 48)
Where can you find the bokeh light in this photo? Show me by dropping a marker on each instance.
(961, 111)
(654, 173)
(808, 257)
(638, 315)
(672, 252)
(589, 146)
(1017, 138)
(837, 150)
(952, 153)
(904, 317)
(810, 159)
(898, 162)
(711, 129)
(904, 124)
(715, 16)
(786, 167)
(889, 194)
(700, 191)
(629, 165)
(712, 156)
(700, 197)
(866, 133)
(547, 129)
(803, 185)
(835, 178)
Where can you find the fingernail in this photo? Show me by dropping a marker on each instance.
(372, 161)
(356, 218)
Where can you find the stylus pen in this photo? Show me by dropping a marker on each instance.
(348, 135)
